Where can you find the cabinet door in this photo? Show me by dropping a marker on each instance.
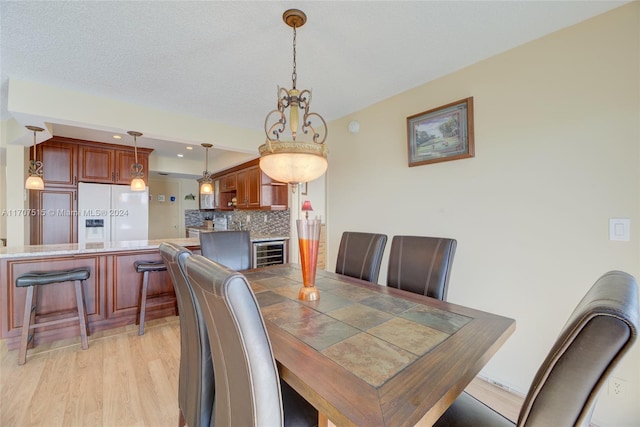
(59, 163)
(253, 186)
(124, 161)
(242, 192)
(228, 182)
(57, 219)
(96, 164)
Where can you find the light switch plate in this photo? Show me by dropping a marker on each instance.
(620, 229)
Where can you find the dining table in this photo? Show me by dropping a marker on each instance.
(365, 354)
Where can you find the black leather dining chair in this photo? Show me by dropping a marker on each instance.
(421, 264)
(229, 248)
(196, 387)
(360, 255)
(248, 388)
(598, 333)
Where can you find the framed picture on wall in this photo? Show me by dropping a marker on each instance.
(441, 134)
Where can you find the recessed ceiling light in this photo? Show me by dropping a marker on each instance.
(180, 155)
(189, 148)
(117, 137)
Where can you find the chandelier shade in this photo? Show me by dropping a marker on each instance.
(293, 160)
(34, 180)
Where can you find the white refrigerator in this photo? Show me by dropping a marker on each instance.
(112, 213)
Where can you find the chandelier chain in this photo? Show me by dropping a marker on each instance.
(294, 75)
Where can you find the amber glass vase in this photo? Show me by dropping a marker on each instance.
(309, 239)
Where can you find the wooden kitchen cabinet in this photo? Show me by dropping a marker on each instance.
(228, 182)
(59, 161)
(252, 188)
(97, 164)
(249, 187)
(124, 161)
(111, 293)
(108, 165)
(67, 161)
(54, 220)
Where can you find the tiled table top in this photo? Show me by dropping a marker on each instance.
(354, 326)
(365, 354)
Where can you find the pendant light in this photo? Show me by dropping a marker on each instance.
(34, 181)
(294, 161)
(137, 183)
(205, 181)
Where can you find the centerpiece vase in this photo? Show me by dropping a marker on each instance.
(309, 240)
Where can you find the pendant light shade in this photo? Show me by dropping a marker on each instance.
(206, 188)
(137, 175)
(294, 161)
(205, 182)
(34, 181)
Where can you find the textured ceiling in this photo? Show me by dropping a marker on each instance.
(223, 61)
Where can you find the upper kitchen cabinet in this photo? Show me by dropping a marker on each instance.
(97, 164)
(59, 159)
(252, 188)
(66, 162)
(228, 182)
(248, 184)
(124, 160)
(110, 164)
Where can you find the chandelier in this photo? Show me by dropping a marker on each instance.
(34, 181)
(294, 161)
(137, 181)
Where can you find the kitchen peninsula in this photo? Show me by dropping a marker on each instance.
(111, 293)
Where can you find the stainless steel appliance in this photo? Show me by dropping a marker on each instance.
(270, 252)
(220, 223)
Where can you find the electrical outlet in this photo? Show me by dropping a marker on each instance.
(616, 386)
(265, 218)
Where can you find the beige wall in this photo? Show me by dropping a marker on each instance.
(557, 133)
(166, 219)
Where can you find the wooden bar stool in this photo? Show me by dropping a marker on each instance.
(145, 267)
(31, 281)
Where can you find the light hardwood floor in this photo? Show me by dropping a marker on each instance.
(122, 380)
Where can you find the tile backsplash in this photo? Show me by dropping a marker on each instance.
(193, 218)
(262, 222)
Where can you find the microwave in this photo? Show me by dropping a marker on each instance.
(207, 201)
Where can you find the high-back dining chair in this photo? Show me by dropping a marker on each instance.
(196, 387)
(360, 255)
(229, 248)
(421, 264)
(248, 388)
(598, 333)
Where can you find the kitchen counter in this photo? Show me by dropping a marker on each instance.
(111, 292)
(255, 237)
(88, 248)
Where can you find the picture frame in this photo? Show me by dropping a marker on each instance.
(304, 188)
(441, 134)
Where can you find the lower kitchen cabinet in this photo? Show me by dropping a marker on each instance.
(111, 293)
